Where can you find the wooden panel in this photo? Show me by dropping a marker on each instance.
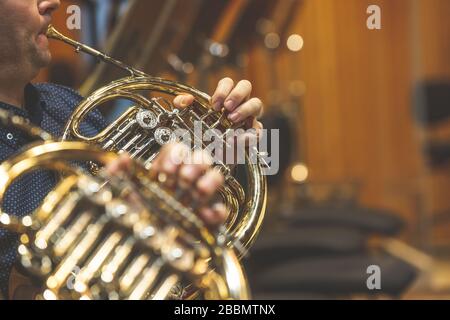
(358, 103)
(435, 38)
(433, 63)
(357, 96)
(358, 122)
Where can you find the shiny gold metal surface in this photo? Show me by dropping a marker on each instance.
(142, 139)
(86, 241)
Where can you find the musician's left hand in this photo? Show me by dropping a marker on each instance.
(236, 99)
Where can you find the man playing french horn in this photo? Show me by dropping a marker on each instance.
(24, 51)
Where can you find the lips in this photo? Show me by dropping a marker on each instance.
(47, 21)
(41, 38)
(44, 30)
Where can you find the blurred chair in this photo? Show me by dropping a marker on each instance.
(303, 243)
(335, 276)
(366, 220)
(431, 108)
(432, 102)
(438, 153)
(322, 249)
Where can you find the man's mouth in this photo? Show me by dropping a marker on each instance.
(45, 25)
(41, 37)
(44, 30)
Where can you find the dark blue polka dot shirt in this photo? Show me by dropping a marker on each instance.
(48, 106)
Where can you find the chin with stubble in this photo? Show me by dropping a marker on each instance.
(23, 54)
(39, 52)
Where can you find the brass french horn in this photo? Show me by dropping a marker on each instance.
(118, 250)
(143, 128)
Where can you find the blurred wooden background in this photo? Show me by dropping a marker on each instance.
(355, 86)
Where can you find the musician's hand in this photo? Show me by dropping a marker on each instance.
(236, 99)
(191, 173)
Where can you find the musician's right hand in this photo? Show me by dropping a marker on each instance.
(190, 172)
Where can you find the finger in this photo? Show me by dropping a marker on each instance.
(208, 184)
(239, 94)
(251, 108)
(193, 169)
(252, 123)
(168, 162)
(258, 126)
(183, 100)
(121, 164)
(173, 156)
(224, 88)
(214, 216)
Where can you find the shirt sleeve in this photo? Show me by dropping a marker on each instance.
(61, 102)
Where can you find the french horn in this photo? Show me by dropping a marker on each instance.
(88, 240)
(146, 126)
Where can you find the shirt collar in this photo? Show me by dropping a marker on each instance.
(32, 106)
